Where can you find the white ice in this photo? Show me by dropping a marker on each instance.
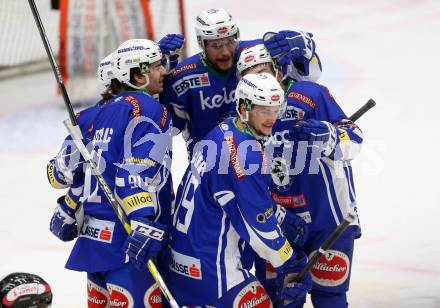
(386, 50)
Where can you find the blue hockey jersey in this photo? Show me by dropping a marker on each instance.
(223, 207)
(132, 148)
(200, 97)
(318, 188)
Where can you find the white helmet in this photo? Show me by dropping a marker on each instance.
(214, 24)
(258, 89)
(131, 54)
(252, 56)
(105, 73)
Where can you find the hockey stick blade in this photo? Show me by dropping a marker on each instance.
(361, 111)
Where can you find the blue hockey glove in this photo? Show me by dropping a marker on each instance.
(145, 241)
(170, 46)
(68, 163)
(317, 133)
(63, 223)
(293, 294)
(286, 46)
(294, 227)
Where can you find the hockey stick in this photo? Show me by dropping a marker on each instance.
(75, 132)
(360, 112)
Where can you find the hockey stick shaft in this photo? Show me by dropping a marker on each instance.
(361, 111)
(75, 132)
(328, 243)
(53, 62)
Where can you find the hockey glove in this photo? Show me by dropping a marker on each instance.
(287, 46)
(317, 133)
(63, 223)
(145, 241)
(68, 162)
(293, 294)
(294, 227)
(170, 46)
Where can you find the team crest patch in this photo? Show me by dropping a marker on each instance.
(280, 173)
(332, 268)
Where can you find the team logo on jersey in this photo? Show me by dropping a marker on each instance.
(252, 295)
(185, 265)
(280, 173)
(233, 157)
(302, 98)
(97, 230)
(217, 100)
(191, 82)
(119, 296)
(332, 268)
(97, 297)
(290, 201)
(153, 297)
(293, 113)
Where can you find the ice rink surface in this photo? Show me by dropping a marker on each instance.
(386, 50)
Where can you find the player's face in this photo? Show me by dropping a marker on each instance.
(156, 75)
(262, 118)
(259, 68)
(220, 53)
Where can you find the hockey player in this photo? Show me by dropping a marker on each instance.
(132, 146)
(65, 170)
(224, 208)
(312, 148)
(201, 91)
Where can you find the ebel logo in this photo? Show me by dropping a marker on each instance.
(97, 230)
(293, 113)
(191, 82)
(185, 265)
(217, 100)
